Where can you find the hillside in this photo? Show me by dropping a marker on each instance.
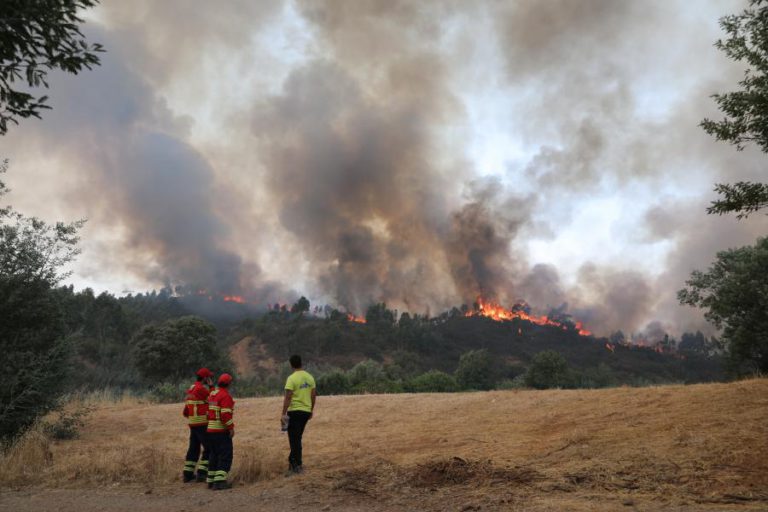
(686, 448)
(423, 344)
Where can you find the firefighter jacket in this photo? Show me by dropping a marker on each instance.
(220, 411)
(196, 405)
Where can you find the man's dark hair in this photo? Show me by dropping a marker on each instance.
(199, 378)
(295, 361)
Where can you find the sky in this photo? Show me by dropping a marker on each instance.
(422, 153)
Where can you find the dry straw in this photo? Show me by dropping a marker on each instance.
(704, 444)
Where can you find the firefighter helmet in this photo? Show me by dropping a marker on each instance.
(204, 373)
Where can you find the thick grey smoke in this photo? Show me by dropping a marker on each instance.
(143, 180)
(332, 150)
(353, 179)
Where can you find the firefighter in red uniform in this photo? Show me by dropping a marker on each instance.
(221, 430)
(196, 412)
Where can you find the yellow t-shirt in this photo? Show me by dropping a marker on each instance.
(302, 384)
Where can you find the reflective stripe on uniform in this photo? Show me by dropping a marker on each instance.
(195, 417)
(215, 424)
(221, 476)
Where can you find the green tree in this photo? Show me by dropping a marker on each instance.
(475, 370)
(333, 383)
(176, 348)
(379, 315)
(549, 369)
(746, 110)
(691, 342)
(301, 306)
(37, 36)
(32, 326)
(433, 381)
(366, 372)
(734, 294)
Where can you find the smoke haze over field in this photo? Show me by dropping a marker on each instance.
(418, 153)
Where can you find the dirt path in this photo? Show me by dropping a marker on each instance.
(307, 497)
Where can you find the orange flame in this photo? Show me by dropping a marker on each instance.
(497, 312)
(353, 318)
(234, 298)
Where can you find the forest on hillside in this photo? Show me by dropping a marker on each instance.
(145, 341)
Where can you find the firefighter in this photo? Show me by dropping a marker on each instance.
(221, 430)
(196, 412)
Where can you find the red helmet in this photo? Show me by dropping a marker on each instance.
(204, 373)
(225, 379)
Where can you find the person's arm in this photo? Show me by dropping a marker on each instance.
(314, 398)
(286, 402)
(227, 415)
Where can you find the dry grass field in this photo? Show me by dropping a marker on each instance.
(686, 448)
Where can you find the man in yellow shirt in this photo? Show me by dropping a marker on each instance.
(298, 405)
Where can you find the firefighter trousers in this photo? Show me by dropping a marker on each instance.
(220, 462)
(197, 438)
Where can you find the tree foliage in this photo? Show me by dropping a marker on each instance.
(37, 36)
(433, 381)
(301, 306)
(734, 294)
(746, 110)
(549, 369)
(33, 327)
(475, 370)
(176, 348)
(743, 197)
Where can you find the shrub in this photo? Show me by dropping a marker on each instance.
(67, 425)
(379, 386)
(548, 369)
(516, 383)
(367, 371)
(168, 392)
(333, 383)
(433, 381)
(475, 370)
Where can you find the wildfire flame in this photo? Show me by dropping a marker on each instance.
(353, 318)
(499, 313)
(234, 298)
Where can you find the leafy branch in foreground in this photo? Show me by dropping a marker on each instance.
(743, 197)
(37, 36)
(746, 110)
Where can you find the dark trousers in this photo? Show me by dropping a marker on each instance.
(221, 457)
(298, 420)
(197, 438)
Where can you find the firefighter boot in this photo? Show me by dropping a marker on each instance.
(222, 486)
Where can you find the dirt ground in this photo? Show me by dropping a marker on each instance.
(679, 448)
